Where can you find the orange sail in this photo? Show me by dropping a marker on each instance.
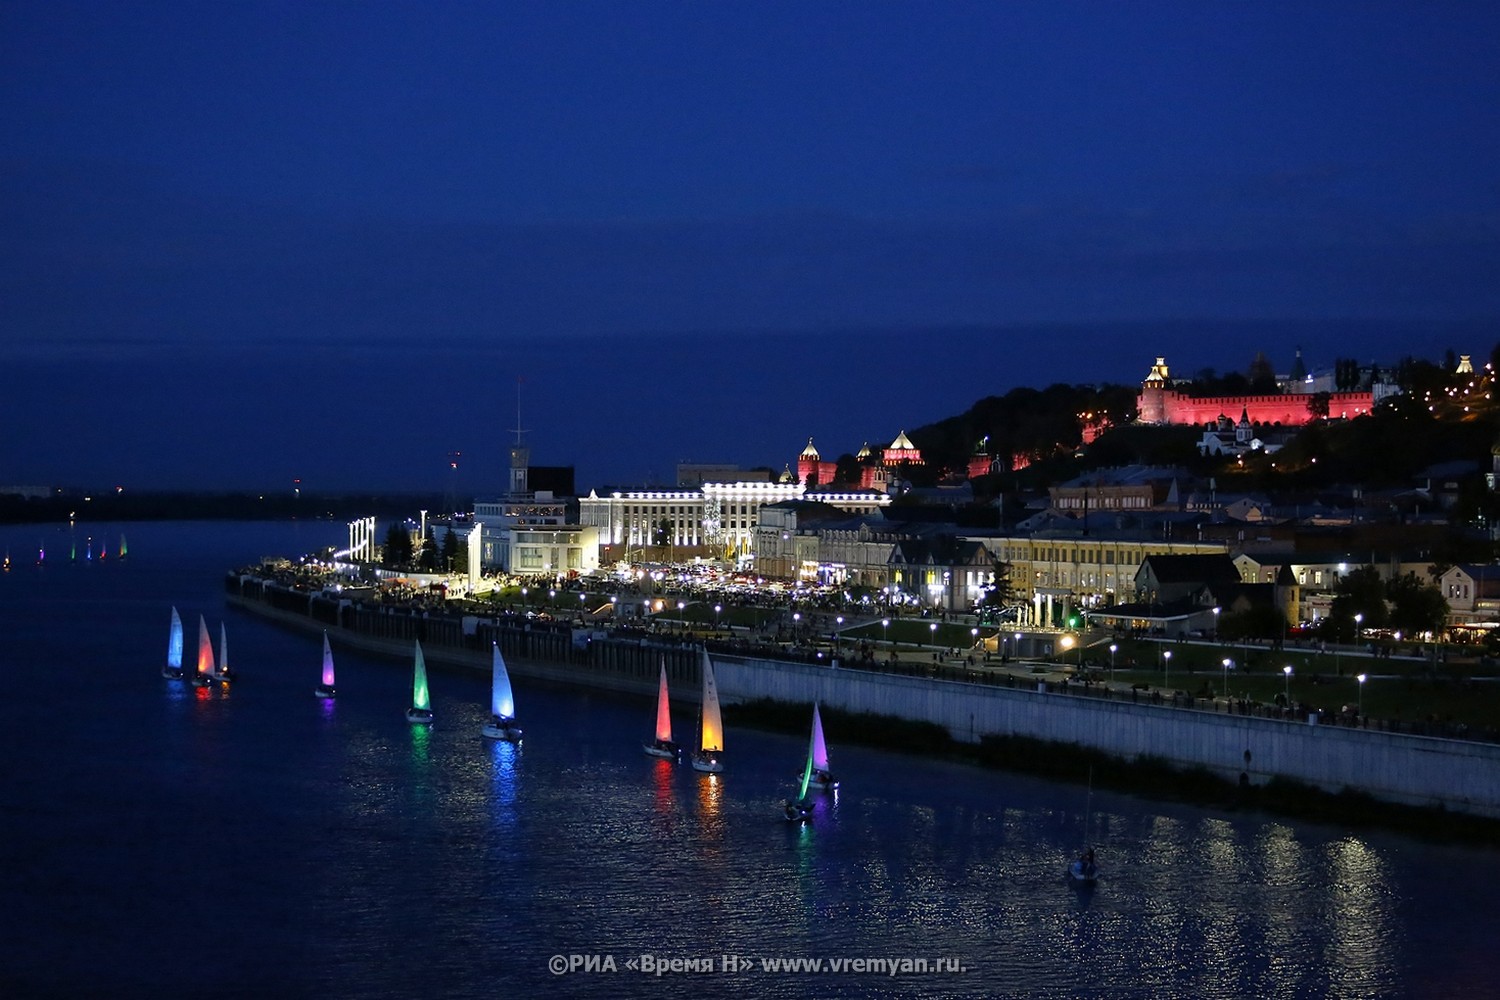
(712, 737)
(663, 710)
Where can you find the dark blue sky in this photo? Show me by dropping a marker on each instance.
(242, 242)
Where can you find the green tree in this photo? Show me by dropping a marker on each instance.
(1360, 592)
(427, 555)
(397, 554)
(1317, 405)
(1262, 375)
(452, 553)
(1416, 605)
(999, 593)
(661, 534)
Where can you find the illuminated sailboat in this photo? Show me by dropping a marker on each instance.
(710, 725)
(421, 701)
(221, 671)
(663, 746)
(502, 724)
(325, 688)
(124, 549)
(817, 776)
(205, 671)
(173, 669)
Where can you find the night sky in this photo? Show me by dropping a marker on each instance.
(242, 243)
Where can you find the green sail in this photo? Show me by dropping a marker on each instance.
(419, 696)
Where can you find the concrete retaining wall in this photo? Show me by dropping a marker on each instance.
(1414, 770)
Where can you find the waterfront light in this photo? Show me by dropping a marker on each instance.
(1360, 706)
(1227, 664)
(885, 624)
(1288, 671)
(1166, 660)
(1112, 648)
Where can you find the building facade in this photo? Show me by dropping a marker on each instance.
(721, 518)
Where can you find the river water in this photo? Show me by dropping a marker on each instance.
(160, 840)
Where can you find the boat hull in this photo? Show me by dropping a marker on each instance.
(707, 764)
(666, 751)
(796, 812)
(419, 716)
(501, 731)
(171, 673)
(324, 691)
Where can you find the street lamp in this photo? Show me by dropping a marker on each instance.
(1166, 660)
(1227, 664)
(1112, 648)
(1358, 619)
(837, 632)
(717, 609)
(885, 624)
(1361, 701)
(1288, 671)
(1216, 624)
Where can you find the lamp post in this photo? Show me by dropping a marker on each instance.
(885, 625)
(523, 599)
(1216, 624)
(838, 632)
(1358, 620)
(1287, 670)
(1360, 704)
(1227, 664)
(1112, 648)
(1166, 661)
(717, 609)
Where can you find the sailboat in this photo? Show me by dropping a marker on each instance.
(1083, 872)
(325, 688)
(421, 702)
(815, 774)
(205, 671)
(221, 672)
(173, 669)
(710, 725)
(502, 724)
(663, 746)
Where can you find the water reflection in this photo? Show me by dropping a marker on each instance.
(421, 738)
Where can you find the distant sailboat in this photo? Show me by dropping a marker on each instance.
(421, 701)
(222, 673)
(325, 689)
(663, 745)
(41, 554)
(205, 671)
(173, 669)
(710, 726)
(7, 560)
(124, 549)
(502, 724)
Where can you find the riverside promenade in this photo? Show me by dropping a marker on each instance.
(970, 702)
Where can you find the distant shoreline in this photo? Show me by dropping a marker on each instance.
(136, 505)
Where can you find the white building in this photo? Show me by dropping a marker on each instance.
(719, 516)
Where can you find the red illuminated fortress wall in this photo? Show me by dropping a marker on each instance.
(1164, 406)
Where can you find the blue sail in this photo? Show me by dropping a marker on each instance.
(502, 703)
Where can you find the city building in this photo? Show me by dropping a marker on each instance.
(716, 520)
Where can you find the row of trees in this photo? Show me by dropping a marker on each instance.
(426, 556)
